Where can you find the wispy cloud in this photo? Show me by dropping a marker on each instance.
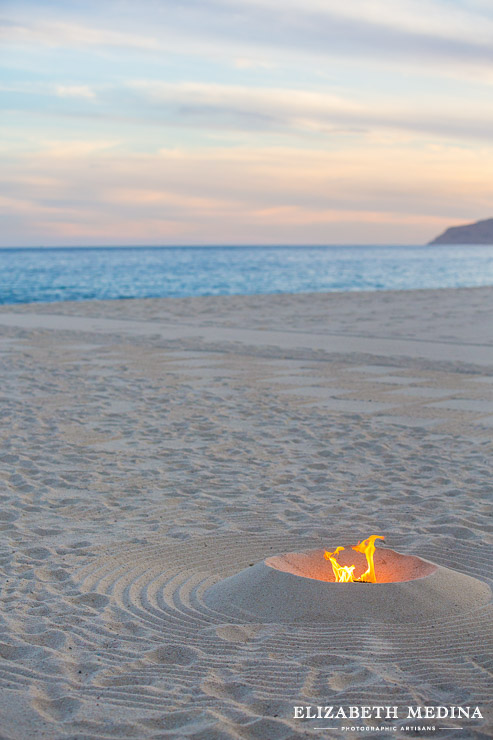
(245, 120)
(54, 34)
(75, 91)
(263, 108)
(249, 63)
(471, 22)
(246, 195)
(209, 107)
(141, 198)
(71, 148)
(418, 33)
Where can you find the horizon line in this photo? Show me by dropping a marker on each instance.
(211, 245)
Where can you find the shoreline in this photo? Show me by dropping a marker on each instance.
(120, 274)
(153, 447)
(423, 325)
(379, 291)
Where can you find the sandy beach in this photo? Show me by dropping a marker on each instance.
(152, 448)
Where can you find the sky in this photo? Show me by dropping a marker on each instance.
(244, 121)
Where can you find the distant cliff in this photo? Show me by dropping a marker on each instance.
(480, 232)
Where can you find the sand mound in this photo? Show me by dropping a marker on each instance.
(299, 587)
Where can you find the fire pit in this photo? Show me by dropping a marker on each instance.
(347, 584)
(346, 566)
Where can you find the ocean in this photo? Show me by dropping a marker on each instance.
(90, 273)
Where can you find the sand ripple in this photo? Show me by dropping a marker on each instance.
(137, 471)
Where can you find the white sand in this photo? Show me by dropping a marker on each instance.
(285, 590)
(153, 448)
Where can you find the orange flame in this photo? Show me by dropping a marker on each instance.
(344, 573)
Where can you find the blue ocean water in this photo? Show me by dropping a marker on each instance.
(76, 274)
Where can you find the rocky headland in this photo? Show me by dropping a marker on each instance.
(480, 232)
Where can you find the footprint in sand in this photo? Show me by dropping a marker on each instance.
(8, 516)
(93, 600)
(51, 575)
(57, 710)
(237, 633)
(172, 655)
(16, 652)
(38, 553)
(50, 638)
(357, 676)
(232, 690)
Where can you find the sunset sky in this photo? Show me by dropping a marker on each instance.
(244, 121)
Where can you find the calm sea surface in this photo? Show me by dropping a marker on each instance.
(77, 274)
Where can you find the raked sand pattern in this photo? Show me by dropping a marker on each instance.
(152, 448)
